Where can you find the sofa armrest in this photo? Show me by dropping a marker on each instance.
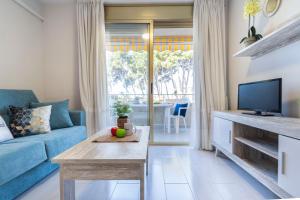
(77, 117)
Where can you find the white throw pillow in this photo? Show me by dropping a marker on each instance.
(40, 119)
(5, 133)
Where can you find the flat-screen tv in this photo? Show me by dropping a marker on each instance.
(261, 96)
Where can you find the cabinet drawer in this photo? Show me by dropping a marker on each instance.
(289, 165)
(222, 133)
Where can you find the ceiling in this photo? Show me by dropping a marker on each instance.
(127, 1)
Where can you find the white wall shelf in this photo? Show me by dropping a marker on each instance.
(287, 34)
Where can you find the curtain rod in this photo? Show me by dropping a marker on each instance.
(30, 10)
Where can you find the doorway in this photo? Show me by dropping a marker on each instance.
(173, 84)
(151, 70)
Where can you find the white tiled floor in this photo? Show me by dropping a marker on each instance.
(162, 136)
(176, 173)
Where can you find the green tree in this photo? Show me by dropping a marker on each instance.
(130, 69)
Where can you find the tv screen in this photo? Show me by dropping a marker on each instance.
(263, 96)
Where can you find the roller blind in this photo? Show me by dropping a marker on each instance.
(159, 13)
(161, 43)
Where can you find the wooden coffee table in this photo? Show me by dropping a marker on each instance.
(103, 161)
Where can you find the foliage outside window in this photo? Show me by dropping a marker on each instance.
(172, 74)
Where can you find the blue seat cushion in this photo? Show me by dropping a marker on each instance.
(17, 157)
(59, 140)
(60, 117)
(182, 111)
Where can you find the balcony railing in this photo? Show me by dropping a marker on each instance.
(140, 108)
(157, 98)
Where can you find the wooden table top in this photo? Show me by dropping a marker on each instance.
(121, 152)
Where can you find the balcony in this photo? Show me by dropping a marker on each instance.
(163, 108)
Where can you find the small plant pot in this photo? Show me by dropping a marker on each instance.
(249, 41)
(121, 121)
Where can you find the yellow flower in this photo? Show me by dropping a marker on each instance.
(252, 7)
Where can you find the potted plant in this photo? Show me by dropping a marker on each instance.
(251, 8)
(122, 110)
(252, 37)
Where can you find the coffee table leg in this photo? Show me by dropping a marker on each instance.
(142, 183)
(67, 188)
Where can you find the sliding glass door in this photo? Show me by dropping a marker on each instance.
(173, 84)
(128, 57)
(151, 71)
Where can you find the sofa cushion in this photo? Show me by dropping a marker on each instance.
(5, 117)
(25, 121)
(77, 117)
(58, 140)
(18, 157)
(5, 133)
(60, 117)
(20, 120)
(20, 98)
(182, 108)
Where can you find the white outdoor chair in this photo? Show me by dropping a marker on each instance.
(181, 113)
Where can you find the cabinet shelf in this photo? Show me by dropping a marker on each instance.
(264, 167)
(281, 37)
(265, 147)
(269, 148)
(264, 171)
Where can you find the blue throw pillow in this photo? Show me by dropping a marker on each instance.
(183, 111)
(60, 117)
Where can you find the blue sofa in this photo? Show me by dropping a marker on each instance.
(25, 161)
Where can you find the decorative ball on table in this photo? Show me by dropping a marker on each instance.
(121, 133)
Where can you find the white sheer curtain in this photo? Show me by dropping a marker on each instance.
(92, 69)
(209, 67)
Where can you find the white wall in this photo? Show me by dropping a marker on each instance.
(283, 63)
(61, 67)
(41, 56)
(21, 49)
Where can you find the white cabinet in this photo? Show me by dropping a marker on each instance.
(222, 133)
(289, 165)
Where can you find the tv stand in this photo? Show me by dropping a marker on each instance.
(258, 113)
(265, 147)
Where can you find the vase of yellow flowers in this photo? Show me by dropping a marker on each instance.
(251, 8)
